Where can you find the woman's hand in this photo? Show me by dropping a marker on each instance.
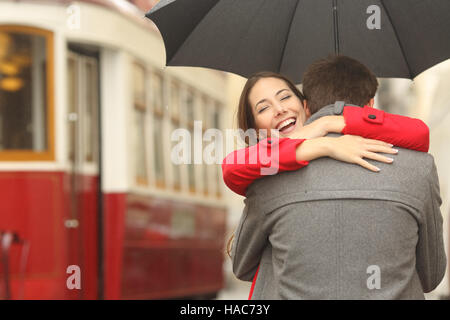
(347, 148)
(320, 128)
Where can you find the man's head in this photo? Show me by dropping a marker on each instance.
(338, 78)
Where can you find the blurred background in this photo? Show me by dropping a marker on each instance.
(87, 111)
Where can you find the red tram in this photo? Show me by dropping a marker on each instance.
(91, 205)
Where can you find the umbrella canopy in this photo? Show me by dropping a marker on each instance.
(248, 36)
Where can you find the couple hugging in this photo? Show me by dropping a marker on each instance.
(332, 229)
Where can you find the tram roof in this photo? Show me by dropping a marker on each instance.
(133, 9)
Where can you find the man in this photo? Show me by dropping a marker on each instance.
(335, 231)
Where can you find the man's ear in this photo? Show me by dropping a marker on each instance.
(307, 111)
(371, 103)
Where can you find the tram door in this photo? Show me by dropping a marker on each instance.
(83, 176)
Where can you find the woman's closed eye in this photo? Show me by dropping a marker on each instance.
(285, 98)
(262, 109)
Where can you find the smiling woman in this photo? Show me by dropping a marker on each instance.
(262, 101)
(25, 104)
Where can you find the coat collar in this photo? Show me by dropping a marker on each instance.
(331, 110)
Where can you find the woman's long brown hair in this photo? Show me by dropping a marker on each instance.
(245, 118)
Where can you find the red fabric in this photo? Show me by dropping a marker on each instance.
(241, 167)
(253, 285)
(366, 122)
(398, 130)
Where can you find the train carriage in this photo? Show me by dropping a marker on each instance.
(88, 187)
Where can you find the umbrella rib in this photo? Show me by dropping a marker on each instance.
(336, 27)
(398, 40)
(288, 34)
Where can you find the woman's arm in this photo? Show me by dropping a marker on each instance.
(371, 123)
(347, 148)
(366, 122)
(241, 167)
(398, 130)
(401, 131)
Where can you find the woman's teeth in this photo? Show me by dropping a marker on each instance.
(285, 123)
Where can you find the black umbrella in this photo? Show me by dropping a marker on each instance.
(285, 36)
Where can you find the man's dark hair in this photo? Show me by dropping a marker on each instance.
(338, 78)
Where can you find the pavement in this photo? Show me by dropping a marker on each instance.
(234, 290)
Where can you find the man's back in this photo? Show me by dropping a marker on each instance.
(338, 231)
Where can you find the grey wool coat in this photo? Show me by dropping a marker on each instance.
(334, 230)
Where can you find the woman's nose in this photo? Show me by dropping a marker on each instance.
(280, 108)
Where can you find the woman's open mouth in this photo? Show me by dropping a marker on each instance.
(287, 126)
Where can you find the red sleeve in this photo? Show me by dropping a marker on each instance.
(376, 124)
(241, 167)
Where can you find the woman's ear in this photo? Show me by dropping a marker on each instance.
(371, 102)
(307, 111)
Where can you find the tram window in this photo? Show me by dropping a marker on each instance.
(140, 157)
(139, 86)
(72, 90)
(206, 111)
(190, 109)
(90, 112)
(82, 94)
(140, 115)
(157, 93)
(190, 124)
(174, 109)
(25, 107)
(158, 118)
(218, 168)
(159, 164)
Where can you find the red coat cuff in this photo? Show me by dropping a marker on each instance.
(376, 124)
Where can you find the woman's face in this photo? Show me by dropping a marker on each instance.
(275, 106)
